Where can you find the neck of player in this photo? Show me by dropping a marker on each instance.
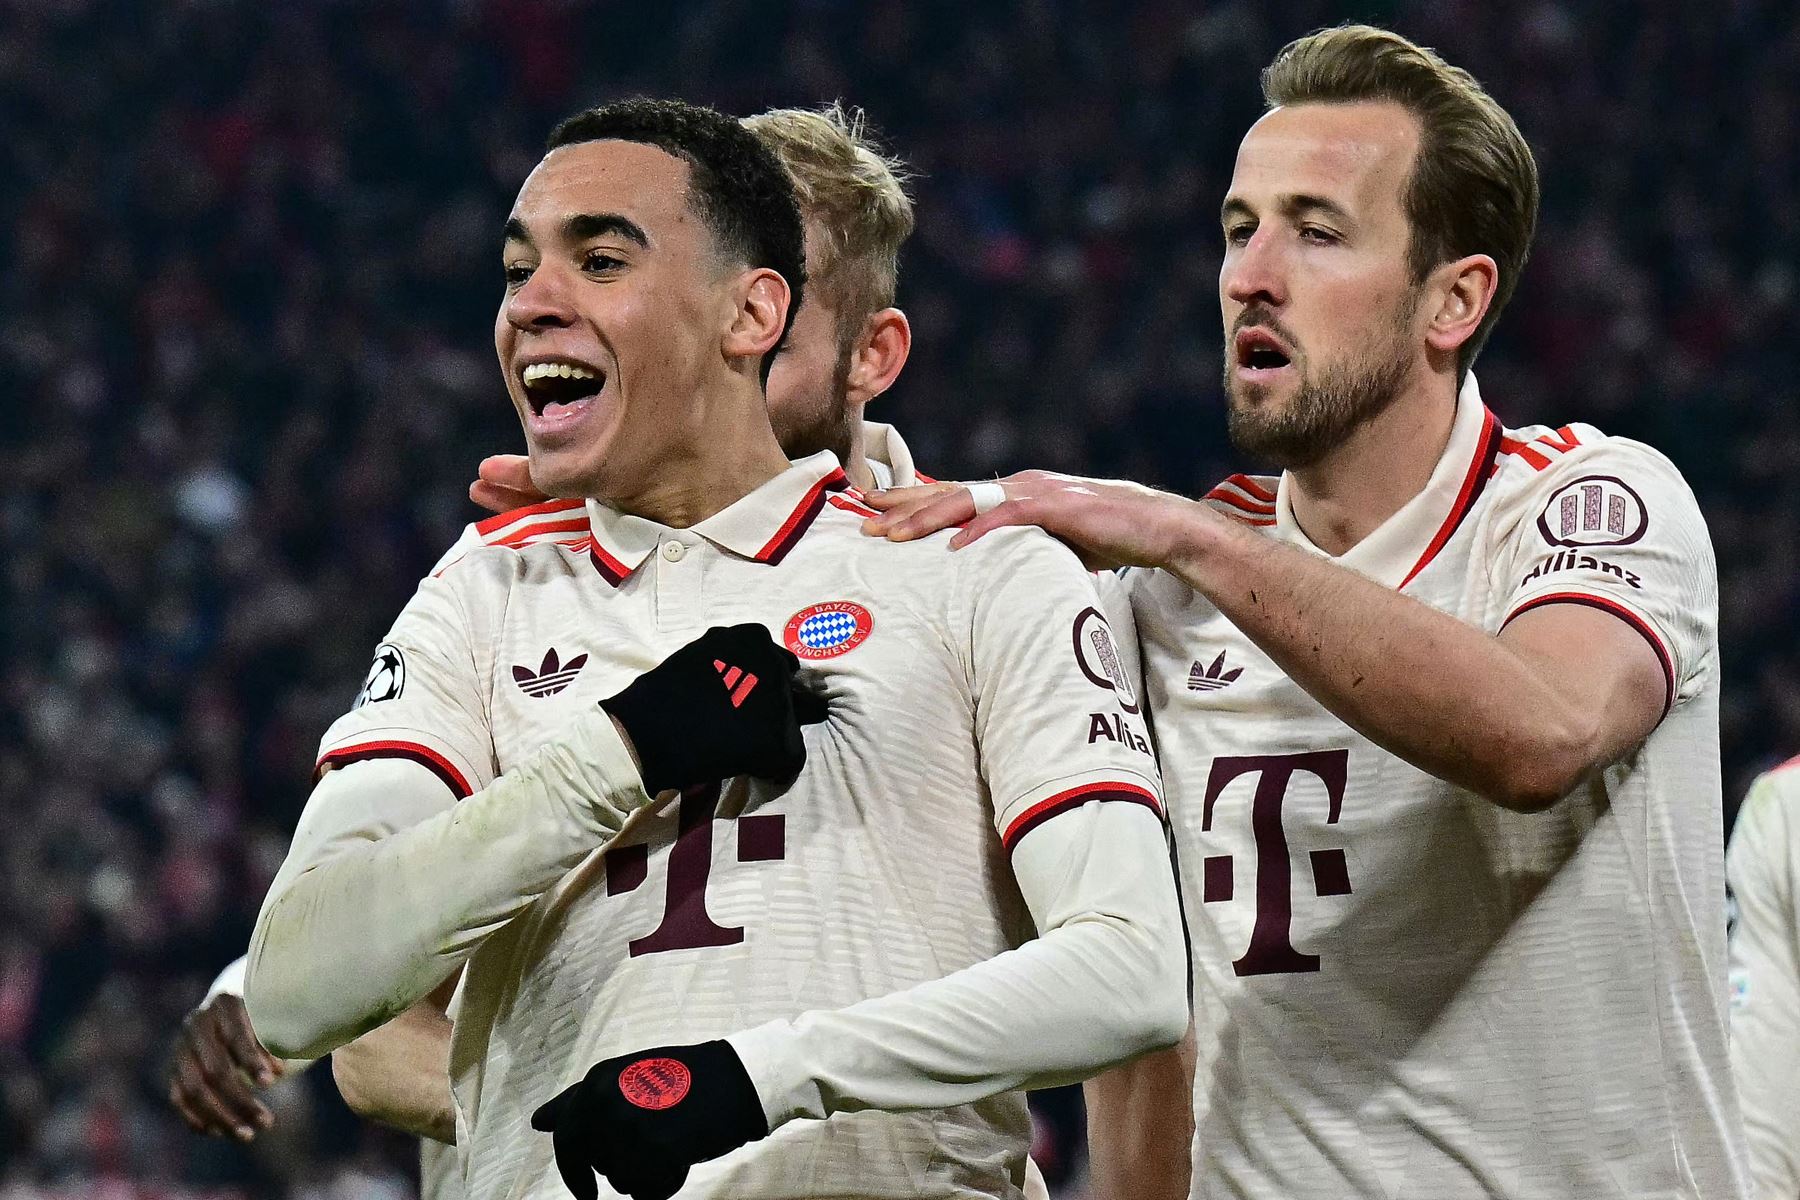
(732, 453)
(1347, 495)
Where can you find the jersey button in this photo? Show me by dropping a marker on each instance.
(674, 551)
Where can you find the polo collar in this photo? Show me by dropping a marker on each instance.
(761, 526)
(1407, 542)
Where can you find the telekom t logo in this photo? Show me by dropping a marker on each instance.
(686, 924)
(1271, 949)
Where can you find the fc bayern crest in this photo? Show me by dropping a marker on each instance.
(828, 630)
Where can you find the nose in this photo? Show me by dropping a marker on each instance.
(1254, 273)
(542, 301)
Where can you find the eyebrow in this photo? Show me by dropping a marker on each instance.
(582, 227)
(1290, 205)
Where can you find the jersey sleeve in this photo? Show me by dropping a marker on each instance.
(1762, 866)
(1055, 691)
(424, 697)
(1615, 527)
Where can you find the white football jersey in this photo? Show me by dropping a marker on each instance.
(1763, 866)
(965, 692)
(1404, 991)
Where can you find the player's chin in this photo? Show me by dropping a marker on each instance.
(1253, 388)
(569, 470)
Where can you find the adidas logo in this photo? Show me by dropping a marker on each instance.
(738, 682)
(1211, 679)
(551, 677)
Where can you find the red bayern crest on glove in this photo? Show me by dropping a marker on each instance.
(655, 1083)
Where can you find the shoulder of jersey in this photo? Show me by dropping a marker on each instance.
(562, 523)
(1246, 498)
(1001, 551)
(1536, 453)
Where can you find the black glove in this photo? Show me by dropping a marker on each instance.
(643, 1119)
(727, 703)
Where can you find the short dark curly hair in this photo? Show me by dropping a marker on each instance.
(740, 188)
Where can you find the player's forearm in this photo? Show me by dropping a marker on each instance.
(1445, 696)
(1105, 983)
(357, 929)
(1141, 1126)
(399, 1075)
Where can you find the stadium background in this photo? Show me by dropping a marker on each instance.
(249, 276)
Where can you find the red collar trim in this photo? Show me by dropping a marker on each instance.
(801, 519)
(1473, 482)
(610, 568)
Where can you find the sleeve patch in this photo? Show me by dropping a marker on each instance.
(1595, 510)
(386, 679)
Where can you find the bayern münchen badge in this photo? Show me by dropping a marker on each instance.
(827, 630)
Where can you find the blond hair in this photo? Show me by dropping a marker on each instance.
(853, 197)
(1474, 186)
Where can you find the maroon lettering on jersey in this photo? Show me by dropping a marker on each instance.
(686, 924)
(1271, 950)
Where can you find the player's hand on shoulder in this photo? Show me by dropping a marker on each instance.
(216, 1068)
(730, 702)
(503, 483)
(642, 1120)
(1108, 522)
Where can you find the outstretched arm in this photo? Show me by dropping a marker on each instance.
(1518, 717)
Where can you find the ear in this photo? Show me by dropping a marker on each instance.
(880, 352)
(1463, 290)
(759, 314)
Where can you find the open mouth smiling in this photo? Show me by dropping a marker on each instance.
(560, 387)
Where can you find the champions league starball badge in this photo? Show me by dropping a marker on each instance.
(386, 678)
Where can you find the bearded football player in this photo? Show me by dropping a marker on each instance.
(1437, 704)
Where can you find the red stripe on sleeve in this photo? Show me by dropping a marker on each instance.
(1624, 614)
(520, 536)
(1250, 485)
(425, 756)
(502, 520)
(1242, 505)
(1062, 802)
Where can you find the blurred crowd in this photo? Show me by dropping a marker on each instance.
(251, 265)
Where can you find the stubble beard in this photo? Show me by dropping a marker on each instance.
(827, 426)
(1327, 408)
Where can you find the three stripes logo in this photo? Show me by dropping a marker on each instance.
(1211, 679)
(551, 677)
(738, 682)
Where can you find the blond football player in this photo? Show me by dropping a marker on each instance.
(848, 940)
(1437, 705)
(1763, 867)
